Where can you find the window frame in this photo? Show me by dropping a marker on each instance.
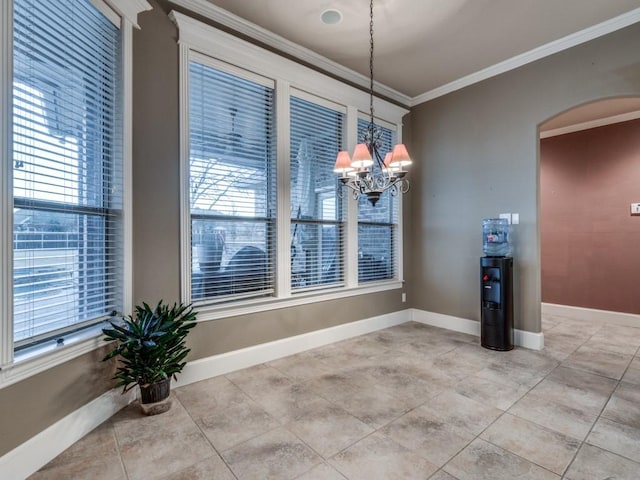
(16, 366)
(268, 220)
(396, 228)
(199, 40)
(328, 194)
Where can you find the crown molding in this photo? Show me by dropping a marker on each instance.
(600, 122)
(266, 37)
(550, 48)
(129, 9)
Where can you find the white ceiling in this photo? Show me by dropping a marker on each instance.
(423, 45)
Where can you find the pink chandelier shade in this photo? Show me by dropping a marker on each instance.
(343, 163)
(361, 157)
(400, 156)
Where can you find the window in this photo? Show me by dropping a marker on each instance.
(64, 176)
(316, 209)
(232, 184)
(377, 225)
(265, 221)
(67, 168)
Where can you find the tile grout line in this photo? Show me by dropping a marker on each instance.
(574, 456)
(215, 450)
(461, 368)
(619, 381)
(584, 440)
(115, 436)
(504, 412)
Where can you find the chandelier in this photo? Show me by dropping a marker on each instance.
(367, 172)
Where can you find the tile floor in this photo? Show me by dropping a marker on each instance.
(408, 402)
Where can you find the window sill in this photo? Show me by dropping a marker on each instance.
(214, 312)
(36, 359)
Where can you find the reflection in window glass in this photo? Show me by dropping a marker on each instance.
(232, 185)
(67, 168)
(377, 225)
(316, 212)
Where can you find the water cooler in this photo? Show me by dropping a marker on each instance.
(496, 273)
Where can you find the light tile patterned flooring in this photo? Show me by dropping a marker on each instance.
(408, 402)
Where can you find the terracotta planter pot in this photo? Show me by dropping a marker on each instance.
(154, 398)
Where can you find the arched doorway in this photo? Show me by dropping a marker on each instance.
(589, 175)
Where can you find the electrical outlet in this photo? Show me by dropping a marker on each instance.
(635, 209)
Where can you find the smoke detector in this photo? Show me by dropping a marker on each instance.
(331, 16)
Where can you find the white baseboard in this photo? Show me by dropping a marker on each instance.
(215, 365)
(36, 452)
(591, 315)
(531, 340)
(457, 324)
(522, 338)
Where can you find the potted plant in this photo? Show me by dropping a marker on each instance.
(151, 347)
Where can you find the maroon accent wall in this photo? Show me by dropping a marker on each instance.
(590, 243)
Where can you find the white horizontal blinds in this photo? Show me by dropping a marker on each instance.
(232, 185)
(67, 167)
(316, 209)
(377, 225)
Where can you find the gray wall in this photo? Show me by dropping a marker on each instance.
(156, 159)
(30, 406)
(476, 154)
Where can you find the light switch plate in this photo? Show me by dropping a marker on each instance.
(507, 216)
(635, 209)
(515, 218)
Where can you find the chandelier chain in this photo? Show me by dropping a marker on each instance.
(371, 60)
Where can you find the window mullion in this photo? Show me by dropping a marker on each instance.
(398, 246)
(126, 128)
(185, 210)
(351, 242)
(283, 175)
(399, 241)
(6, 209)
